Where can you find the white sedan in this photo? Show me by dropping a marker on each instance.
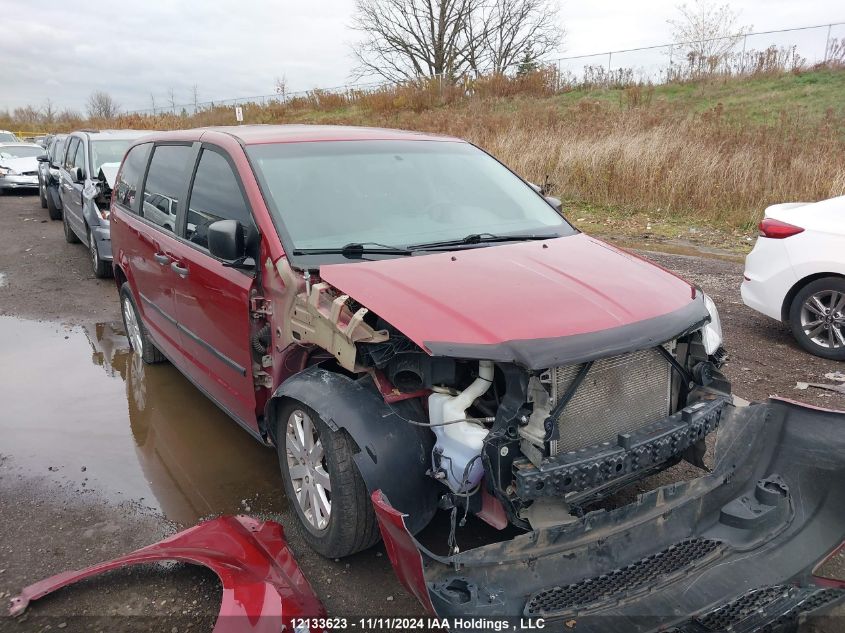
(19, 166)
(796, 273)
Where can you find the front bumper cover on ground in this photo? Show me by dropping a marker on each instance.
(263, 587)
(736, 547)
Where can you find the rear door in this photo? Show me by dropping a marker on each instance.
(71, 199)
(212, 304)
(150, 242)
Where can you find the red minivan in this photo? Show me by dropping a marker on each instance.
(400, 312)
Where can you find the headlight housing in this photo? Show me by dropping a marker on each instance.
(711, 334)
(7, 171)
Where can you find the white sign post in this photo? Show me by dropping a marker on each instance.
(239, 114)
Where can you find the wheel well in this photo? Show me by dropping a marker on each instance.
(119, 276)
(787, 300)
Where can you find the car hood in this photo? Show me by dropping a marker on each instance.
(20, 165)
(108, 172)
(537, 303)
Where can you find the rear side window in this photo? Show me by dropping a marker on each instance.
(129, 178)
(165, 183)
(71, 152)
(79, 158)
(56, 151)
(215, 196)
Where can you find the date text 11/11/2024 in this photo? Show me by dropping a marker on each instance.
(420, 624)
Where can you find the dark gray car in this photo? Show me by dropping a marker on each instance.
(87, 173)
(48, 176)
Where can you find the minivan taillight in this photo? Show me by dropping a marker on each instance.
(778, 230)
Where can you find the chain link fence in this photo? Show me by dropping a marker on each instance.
(790, 49)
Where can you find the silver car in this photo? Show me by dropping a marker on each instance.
(86, 176)
(19, 166)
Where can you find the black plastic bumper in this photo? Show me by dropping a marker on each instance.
(736, 547)
(642, 450)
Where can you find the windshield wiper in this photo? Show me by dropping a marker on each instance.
(481, 238)
(355, 250)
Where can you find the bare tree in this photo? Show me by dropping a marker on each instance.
(707, 31)
(407, 39)
(48, 112)
(153, 102)
(195, 94)
(27, 116)
(520, 32)
(282, 87)
(171, 96)
(101, 105)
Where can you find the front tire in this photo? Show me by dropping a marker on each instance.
(52, 210)
(136, 331)
(817, 317)
(41, 194)
(101, 269)
(323, 484)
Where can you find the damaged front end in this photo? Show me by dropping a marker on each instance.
(734, 549)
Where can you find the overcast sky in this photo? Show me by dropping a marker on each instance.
(65, 50)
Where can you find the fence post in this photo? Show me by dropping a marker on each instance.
(609, 59)
(827, 43)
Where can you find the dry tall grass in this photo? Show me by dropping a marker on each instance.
(638, 152)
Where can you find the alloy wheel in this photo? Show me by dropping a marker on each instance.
(308, 469)
(133, 327)
(823, 318)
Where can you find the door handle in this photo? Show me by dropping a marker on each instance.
(161, 258)
(180, 270)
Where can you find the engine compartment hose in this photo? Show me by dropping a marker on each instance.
(261, 340)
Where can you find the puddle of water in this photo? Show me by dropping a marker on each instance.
(79, 408)
(680, 248)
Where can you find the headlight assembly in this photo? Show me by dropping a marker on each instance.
(711, 334)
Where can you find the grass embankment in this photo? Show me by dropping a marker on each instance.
(699, 160)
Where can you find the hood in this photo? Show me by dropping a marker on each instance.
(538, 303)
(20, 165)
(108, 172)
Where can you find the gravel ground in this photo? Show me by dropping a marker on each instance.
(49, 525)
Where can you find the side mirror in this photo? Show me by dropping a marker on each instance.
(78, 175)
(226, 240)
(555, 202)
(43, 158)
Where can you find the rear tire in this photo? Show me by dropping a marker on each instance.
(102, 269)
(136, 331)
(351, 524)
(52, 210)
(817, 317)
(70, 236)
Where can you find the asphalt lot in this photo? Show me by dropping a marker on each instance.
(100, 455)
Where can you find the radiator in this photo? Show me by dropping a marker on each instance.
(619, 395)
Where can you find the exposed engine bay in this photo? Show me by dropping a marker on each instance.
(514, 444)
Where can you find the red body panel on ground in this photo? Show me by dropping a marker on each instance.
(263, 587)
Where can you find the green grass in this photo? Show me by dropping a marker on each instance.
(761, 100)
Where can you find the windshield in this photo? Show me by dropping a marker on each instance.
(110, 151)
(398, 193)
(7, 137)
(20, 151)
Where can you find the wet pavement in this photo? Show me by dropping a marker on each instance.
(111, 425)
